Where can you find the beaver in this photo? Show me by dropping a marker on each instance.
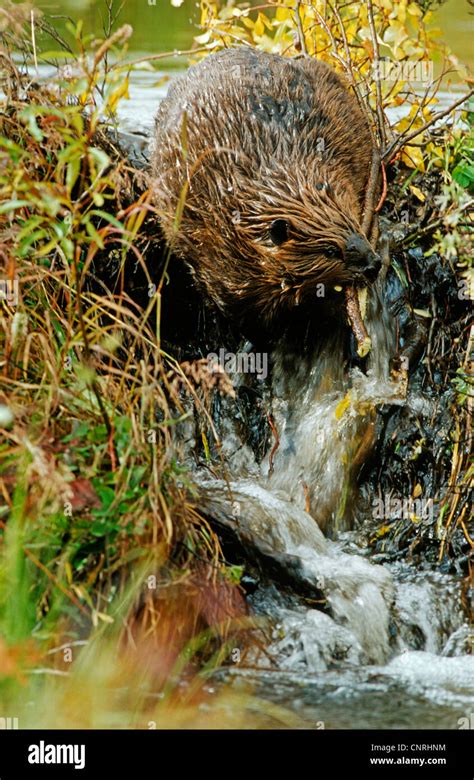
(260, 166)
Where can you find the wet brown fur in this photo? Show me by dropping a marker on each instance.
(246, 138)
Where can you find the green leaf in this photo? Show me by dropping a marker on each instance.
(106, 495)
(16, 152)
(108, 218)
(464, 175)
(79, 431)
(100, 157)
(102, 527)
(11, 205)
(95, 236)
(56, 55)
(28, 116)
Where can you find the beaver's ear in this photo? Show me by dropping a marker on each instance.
(279, 231)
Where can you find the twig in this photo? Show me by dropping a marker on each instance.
(299, 26)
(307, 498)
(433, 225)
(163, 55)
(347, 64)
(330, 35)
(423, 102)
(384, 188)
(370, 192)
(378, 87)
(33, 39)
(348, 55)
(88, 357)
(420, 232)
(276, 445)
(56, 581)
(50, 30)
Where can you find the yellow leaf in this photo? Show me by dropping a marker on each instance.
(418, 193)
(412, 156)
(101, 615)
(423, 313)
(204, 38)
(381, 532)
(205, 443)
(282, 14)
(120, 92)
(401, 11)
(395, 33)
(343, 405)
(260, 25)
(414, 9)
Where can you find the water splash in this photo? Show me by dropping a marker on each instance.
(326, 419)
(358, 594)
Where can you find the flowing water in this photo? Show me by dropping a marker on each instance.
(387, 646)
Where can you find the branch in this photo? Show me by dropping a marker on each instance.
(369, 201)
(163, 55)
(378, 86)
(299, 25)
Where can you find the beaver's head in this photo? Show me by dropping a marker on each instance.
(266, 242)
(274, 244)
(308, 235)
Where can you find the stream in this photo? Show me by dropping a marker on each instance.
(351, 643)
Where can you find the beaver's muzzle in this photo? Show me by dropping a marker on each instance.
(361, 259)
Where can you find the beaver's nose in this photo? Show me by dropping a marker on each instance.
(361, 258)
(371, 267)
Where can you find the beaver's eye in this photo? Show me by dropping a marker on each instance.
(278, 231)
(332, 251)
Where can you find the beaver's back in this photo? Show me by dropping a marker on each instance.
(267, 106)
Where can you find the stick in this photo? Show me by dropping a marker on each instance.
(384, 188)
(276, 444)
(33, 40)
(370, 192)
(378, 87)
(299, 25)
(163, 55)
